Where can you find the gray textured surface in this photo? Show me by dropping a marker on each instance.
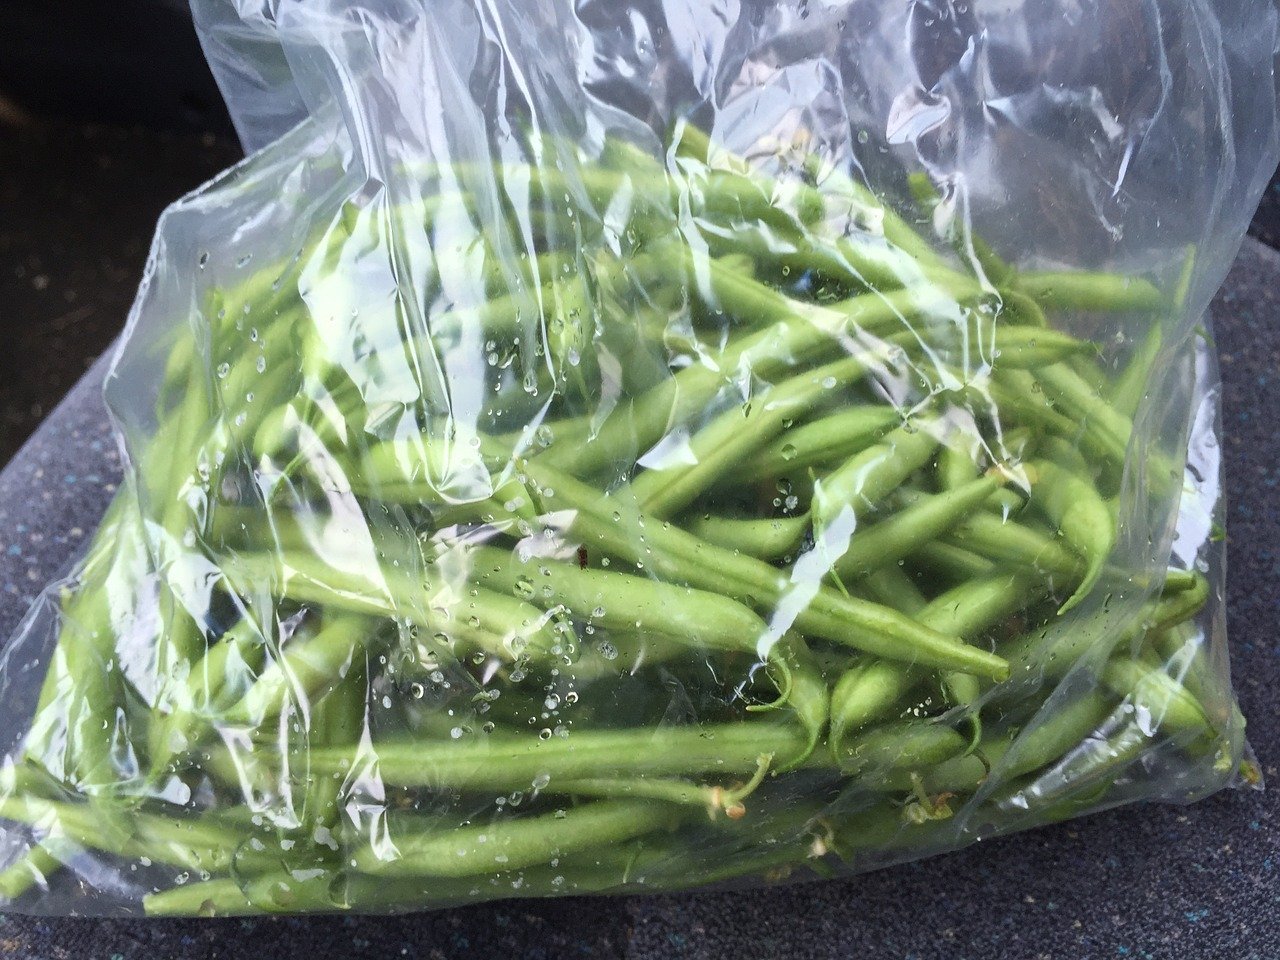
(1194, 883)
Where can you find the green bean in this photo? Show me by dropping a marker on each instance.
(337, 719)
(652, 862)
(1083, 517)
(678, 555)
(469, 851)
(642, 361)
(1008, 541)
(870, 690)
(663, 490)
(1018, 396)
(302, 672)
(1181, 605)
(922, 259)
(1106, 427)
(690, 142)
(1089, 291)
(734, 191)
(902, 745)
(971, 608)
(1156, 696)
(975, 606)
(740, 295)
(71, 735)
(211, 898)
(33, 868)
(898, 536)
(955, 467)
(1186, 653)
(714, 800)
(507, 762)
(187, 842)
(1088, 371)
(866, 692)
(868, 477)
(323, 891)
(445, 473)
(1129, 389)
(804, 332)
(806, 694)
(774, 538)
(837, 436)
(1044, 740)
(501, 625)
(970, 247)
(890, 585)
(731, 437)
(621, 601)
(1127, 393)
(955, 563)
(1051, 655)
(216, 681)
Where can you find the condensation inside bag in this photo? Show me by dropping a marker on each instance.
(638, 447)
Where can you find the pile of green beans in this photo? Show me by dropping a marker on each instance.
(608, 523)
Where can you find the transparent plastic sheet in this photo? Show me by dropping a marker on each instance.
(608, 447)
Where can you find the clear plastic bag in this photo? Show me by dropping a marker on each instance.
(611, 447)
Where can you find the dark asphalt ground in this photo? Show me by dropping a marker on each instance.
(78, 205)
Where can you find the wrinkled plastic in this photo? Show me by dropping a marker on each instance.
(612, 447)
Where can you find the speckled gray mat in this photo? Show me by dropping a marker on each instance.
(1149, 882)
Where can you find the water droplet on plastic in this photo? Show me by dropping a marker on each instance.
(788, 451)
